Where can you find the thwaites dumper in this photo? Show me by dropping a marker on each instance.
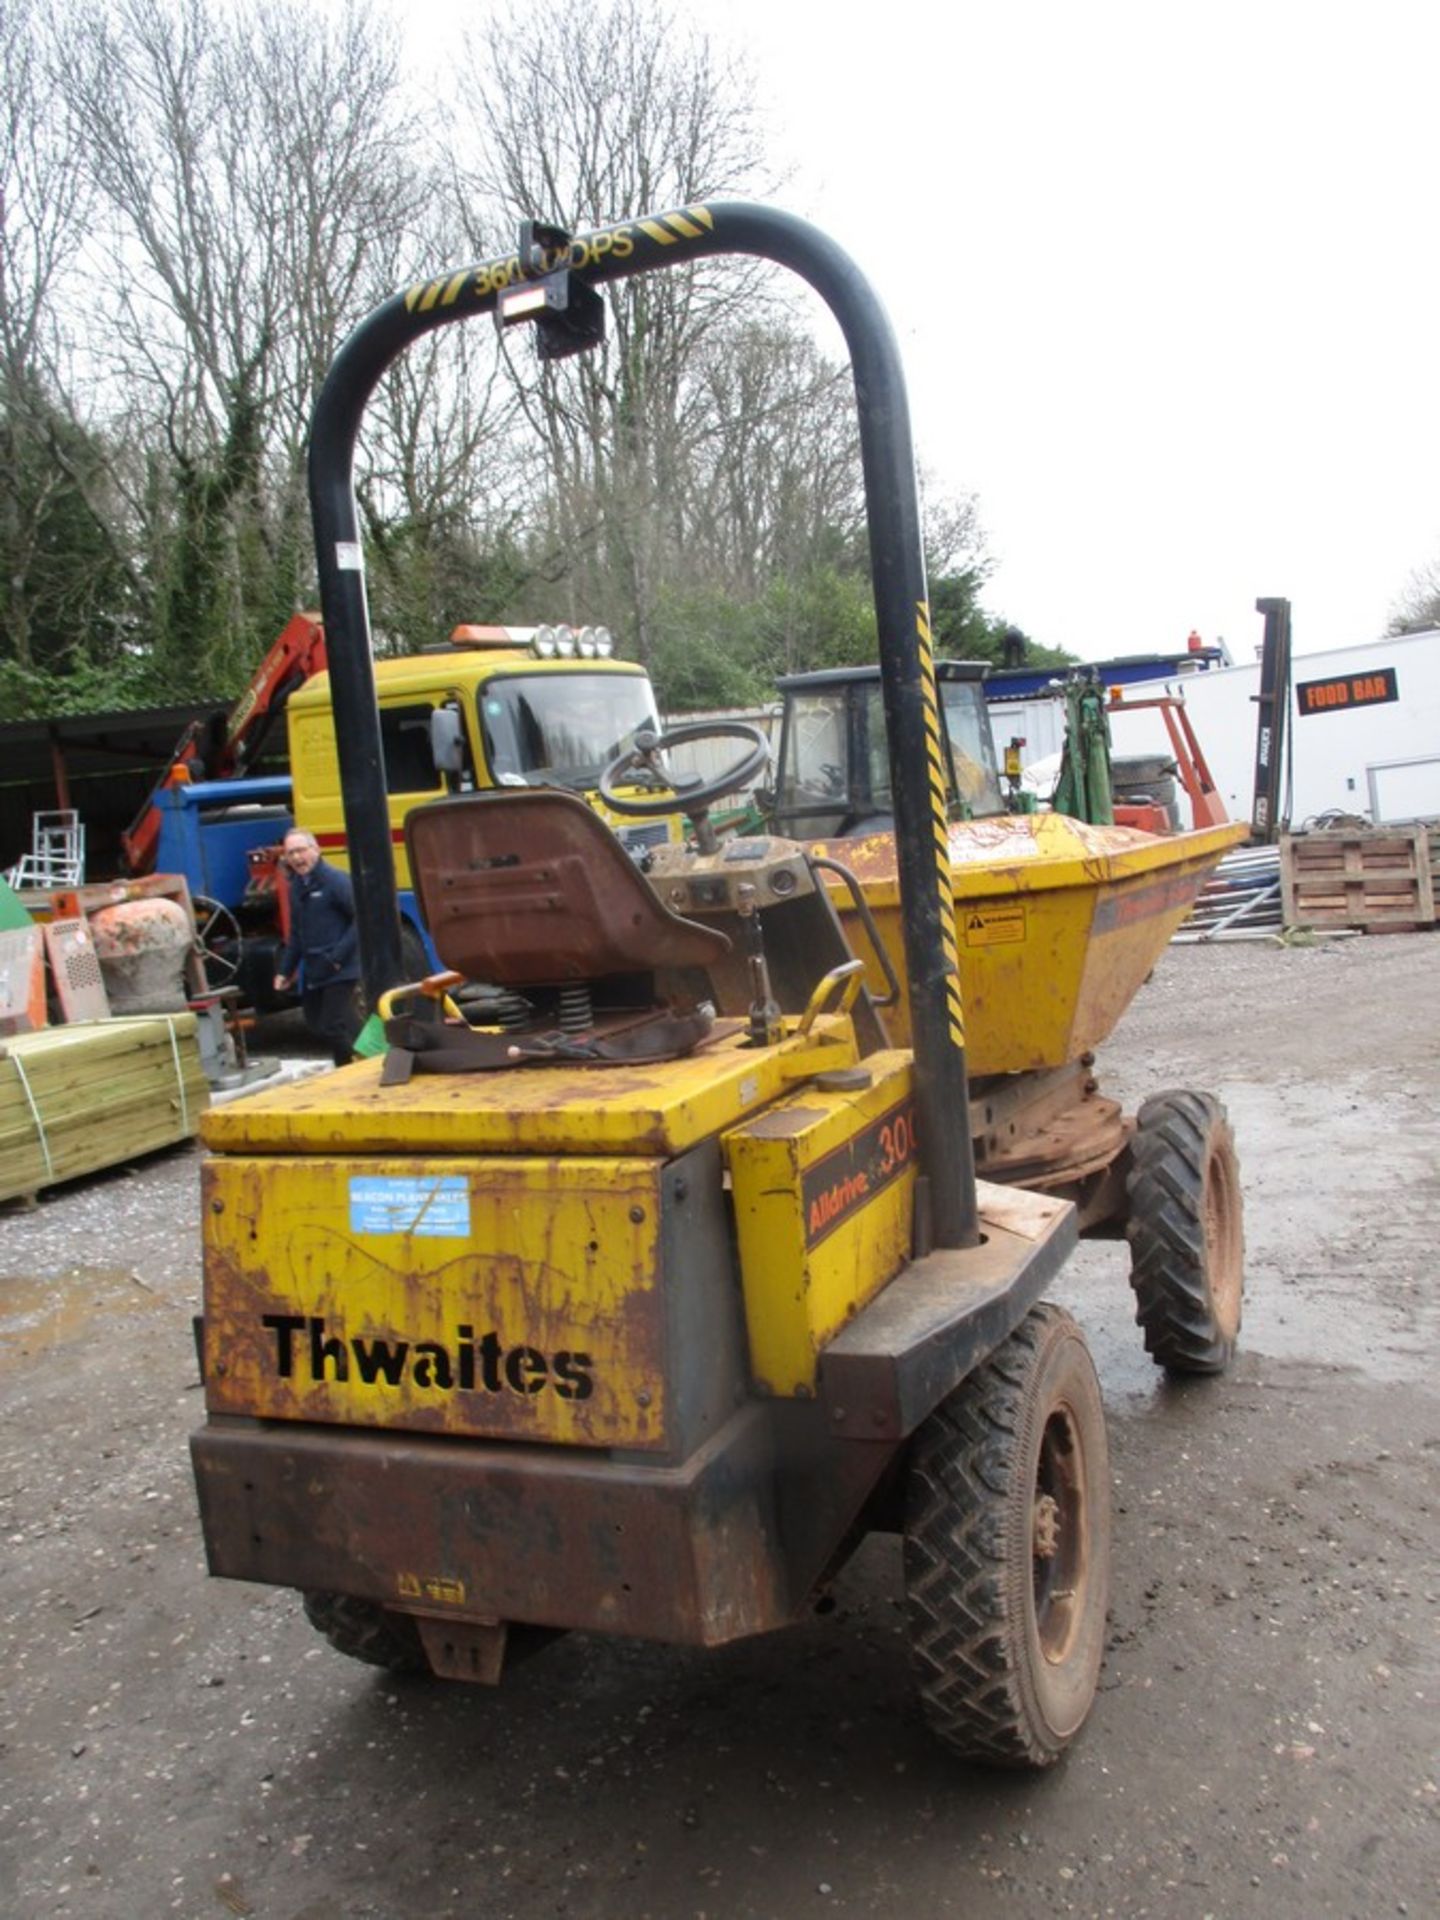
(632, 1309)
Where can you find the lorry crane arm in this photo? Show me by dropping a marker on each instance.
(225, 745)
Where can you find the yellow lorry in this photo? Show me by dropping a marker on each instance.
(495, 707)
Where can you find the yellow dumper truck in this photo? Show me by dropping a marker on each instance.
(631, 1305)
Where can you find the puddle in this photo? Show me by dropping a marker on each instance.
(1339, 1246)
(50, 1313)
(1094, 1286)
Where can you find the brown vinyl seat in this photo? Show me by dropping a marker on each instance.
(529, 888)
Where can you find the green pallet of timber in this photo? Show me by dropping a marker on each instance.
(76, 1099)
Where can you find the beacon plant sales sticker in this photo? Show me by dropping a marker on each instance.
(436, 1206)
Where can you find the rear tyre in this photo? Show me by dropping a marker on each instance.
(1007, 1549)
(364, 1630)
(1186, 1232)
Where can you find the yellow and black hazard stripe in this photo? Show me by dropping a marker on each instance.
(432, 293)
(587, 250)
(940, 823)
(691, 224)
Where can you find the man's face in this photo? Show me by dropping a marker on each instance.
(300, 855)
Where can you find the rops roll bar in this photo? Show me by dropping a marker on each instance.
(558, 273)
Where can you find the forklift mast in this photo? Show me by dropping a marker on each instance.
(550, 281)
(1271, 805)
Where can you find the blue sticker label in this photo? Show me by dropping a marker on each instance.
(436, 1206)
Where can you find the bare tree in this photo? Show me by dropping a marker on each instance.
(587, 114)
(258, 174)
(774, 485)
(252, 179)
(1417, 609)
(43, 210)
(442, 487)
(255, 163)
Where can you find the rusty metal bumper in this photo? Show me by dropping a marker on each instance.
(729, 1543)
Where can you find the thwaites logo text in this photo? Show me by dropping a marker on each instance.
(853, 1174)
(306, 1350)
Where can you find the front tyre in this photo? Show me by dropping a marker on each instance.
(1186, 1232)
(1007, 1549)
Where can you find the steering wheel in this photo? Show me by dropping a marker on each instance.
(690, 790)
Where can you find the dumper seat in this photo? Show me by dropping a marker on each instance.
(529, 892)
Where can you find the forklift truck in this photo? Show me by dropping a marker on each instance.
(632, 1302)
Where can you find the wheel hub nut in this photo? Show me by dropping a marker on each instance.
(1047, 1527)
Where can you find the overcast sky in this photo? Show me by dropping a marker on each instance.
(1165, 280)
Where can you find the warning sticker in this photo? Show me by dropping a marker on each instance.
(414, 1586)
(993, 926)
(436, 1206)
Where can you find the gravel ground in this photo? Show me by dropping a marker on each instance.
(1264, 1741)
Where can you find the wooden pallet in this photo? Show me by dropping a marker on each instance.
(1378, 879)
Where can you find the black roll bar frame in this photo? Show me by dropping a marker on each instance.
(901, 604)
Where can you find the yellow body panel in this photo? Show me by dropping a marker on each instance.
(1058, 924)
(661, 1110)
(823, 1187)
(515, 1298)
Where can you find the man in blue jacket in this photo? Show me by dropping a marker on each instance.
(323, 948)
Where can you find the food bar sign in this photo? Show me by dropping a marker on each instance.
(1346, 690)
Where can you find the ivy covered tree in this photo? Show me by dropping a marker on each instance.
(68, 602)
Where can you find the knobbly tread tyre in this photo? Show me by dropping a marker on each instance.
(364, 1630)
(1186, 1232)
(986, 1686)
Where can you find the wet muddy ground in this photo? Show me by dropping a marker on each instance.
(1265, 1741)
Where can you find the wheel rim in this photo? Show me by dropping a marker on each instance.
(1224, 1260)
(1059, 1536)
(215, 922)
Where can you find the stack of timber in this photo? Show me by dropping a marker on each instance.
(79, 1098)
(1380, 879)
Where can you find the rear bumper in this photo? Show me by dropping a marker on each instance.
(727, 1544)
